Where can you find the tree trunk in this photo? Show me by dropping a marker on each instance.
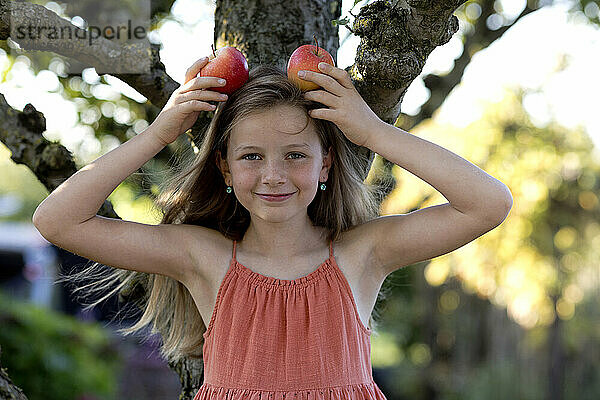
(556, 360)
(8, 390)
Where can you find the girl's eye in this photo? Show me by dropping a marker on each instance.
(256, 154)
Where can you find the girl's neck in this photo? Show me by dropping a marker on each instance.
(283, 243)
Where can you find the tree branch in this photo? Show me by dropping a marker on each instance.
(104, 55)
(441, 86)
(51, 162)
(396, 39)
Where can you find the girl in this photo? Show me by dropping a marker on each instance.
(271, 193)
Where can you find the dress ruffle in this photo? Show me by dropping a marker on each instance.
(361, 391)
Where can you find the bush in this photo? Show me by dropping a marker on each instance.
(55, 356)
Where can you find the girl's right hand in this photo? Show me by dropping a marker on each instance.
(186, 103)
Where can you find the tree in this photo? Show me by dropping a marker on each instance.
(396, 39)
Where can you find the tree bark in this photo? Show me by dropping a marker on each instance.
(479, 38)
(8, 390)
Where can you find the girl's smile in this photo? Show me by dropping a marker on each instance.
(275, 198)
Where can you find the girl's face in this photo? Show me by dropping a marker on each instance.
(269, 153)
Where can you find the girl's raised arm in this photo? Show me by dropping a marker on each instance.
(67, 217)
(78, 198)
(477, 202)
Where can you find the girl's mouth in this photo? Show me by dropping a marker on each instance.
(275, 197)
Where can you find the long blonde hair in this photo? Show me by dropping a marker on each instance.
(195, 194)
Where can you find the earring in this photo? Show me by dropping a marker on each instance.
(228, 190)
(323, 186)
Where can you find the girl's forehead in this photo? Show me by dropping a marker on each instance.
(281, 124)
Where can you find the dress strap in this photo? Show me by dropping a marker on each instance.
(234, 250)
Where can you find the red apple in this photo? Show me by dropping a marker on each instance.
(227, 63)
(307, 57)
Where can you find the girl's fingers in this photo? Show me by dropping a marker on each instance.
(195, 105)
(195, 68)
(202, 82)
(322, 97)
(205, 95)
(341, 75)
(325, 81)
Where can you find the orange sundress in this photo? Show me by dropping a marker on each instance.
(276, 339)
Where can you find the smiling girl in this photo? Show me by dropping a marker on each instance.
(270, 254)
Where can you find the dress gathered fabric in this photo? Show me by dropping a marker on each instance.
(277, 339)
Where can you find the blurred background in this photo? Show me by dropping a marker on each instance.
(513, 315)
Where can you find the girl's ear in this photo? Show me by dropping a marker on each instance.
(328, 160)
(221, 163)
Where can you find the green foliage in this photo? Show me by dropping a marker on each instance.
(53, 356)
(490, 379)
(445, 334)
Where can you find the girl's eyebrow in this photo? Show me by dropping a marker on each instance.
(246, 147)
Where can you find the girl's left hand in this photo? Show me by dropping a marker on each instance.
(347, 109)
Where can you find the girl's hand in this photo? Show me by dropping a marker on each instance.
(347, 109)
(186, 103)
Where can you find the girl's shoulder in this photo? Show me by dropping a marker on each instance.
(356, 244)
(208, 251)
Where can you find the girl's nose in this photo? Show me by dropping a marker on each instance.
(273, 171)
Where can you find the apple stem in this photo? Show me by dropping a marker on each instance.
(316, 45)
(212, 46)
